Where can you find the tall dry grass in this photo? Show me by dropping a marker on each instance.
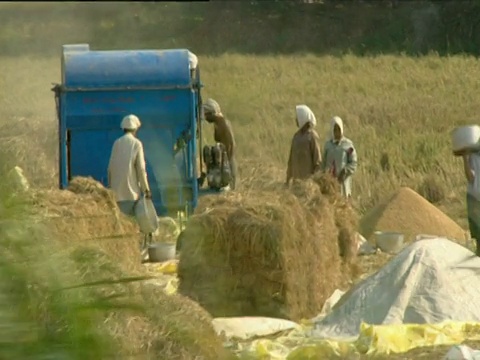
(397, 110)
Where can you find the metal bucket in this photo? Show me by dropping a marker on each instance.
(161, 252)
(465, 138)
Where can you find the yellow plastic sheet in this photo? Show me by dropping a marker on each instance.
(167, 267)
(373, 339)
(171, 287)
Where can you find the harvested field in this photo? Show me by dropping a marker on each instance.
(407, 212)
(87, 214)
(264, 253)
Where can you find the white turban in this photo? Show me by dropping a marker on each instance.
(212, 107)
(130, 122)
(336, 120)
(305, 115)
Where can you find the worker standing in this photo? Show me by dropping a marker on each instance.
(471, 165)
(305, 157)
(223, 133)
(340, 157)
(127, 175)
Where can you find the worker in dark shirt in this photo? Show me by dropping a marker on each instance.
(305, 158)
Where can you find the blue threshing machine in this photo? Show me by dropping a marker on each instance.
(99, 88)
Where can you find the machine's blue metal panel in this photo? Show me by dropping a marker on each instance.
(91, 152)
(119, 69)
(155, 86)
(62, 150)
(101, 109)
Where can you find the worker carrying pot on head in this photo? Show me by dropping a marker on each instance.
(127, 176)
(471, 166)
(340, 157)
(223, 134)
(305, 157)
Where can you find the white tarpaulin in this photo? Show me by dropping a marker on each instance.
(462, 352)
(249, 327)
(329, 304)
(430, 281)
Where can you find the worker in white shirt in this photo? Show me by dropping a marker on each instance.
(127, 176)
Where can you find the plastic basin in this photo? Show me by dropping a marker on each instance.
(161, 252)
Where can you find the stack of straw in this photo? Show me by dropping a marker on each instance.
(86, 213)
(265, 253)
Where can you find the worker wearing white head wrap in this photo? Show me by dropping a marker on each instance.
(340, 156)
(305, 115)
(471, 167)
(127, 176)
(130, 122)
(305, 156)
(223, 133)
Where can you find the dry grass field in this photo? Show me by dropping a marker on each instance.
(397, 110)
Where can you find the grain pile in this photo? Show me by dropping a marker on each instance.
(407, 212)
(263, 253)
(87, 213)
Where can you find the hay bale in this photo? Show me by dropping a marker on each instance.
(163, 326)
(261, 254)
(346, 218)
(407, 212)
(308, 192)
(87, 213)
